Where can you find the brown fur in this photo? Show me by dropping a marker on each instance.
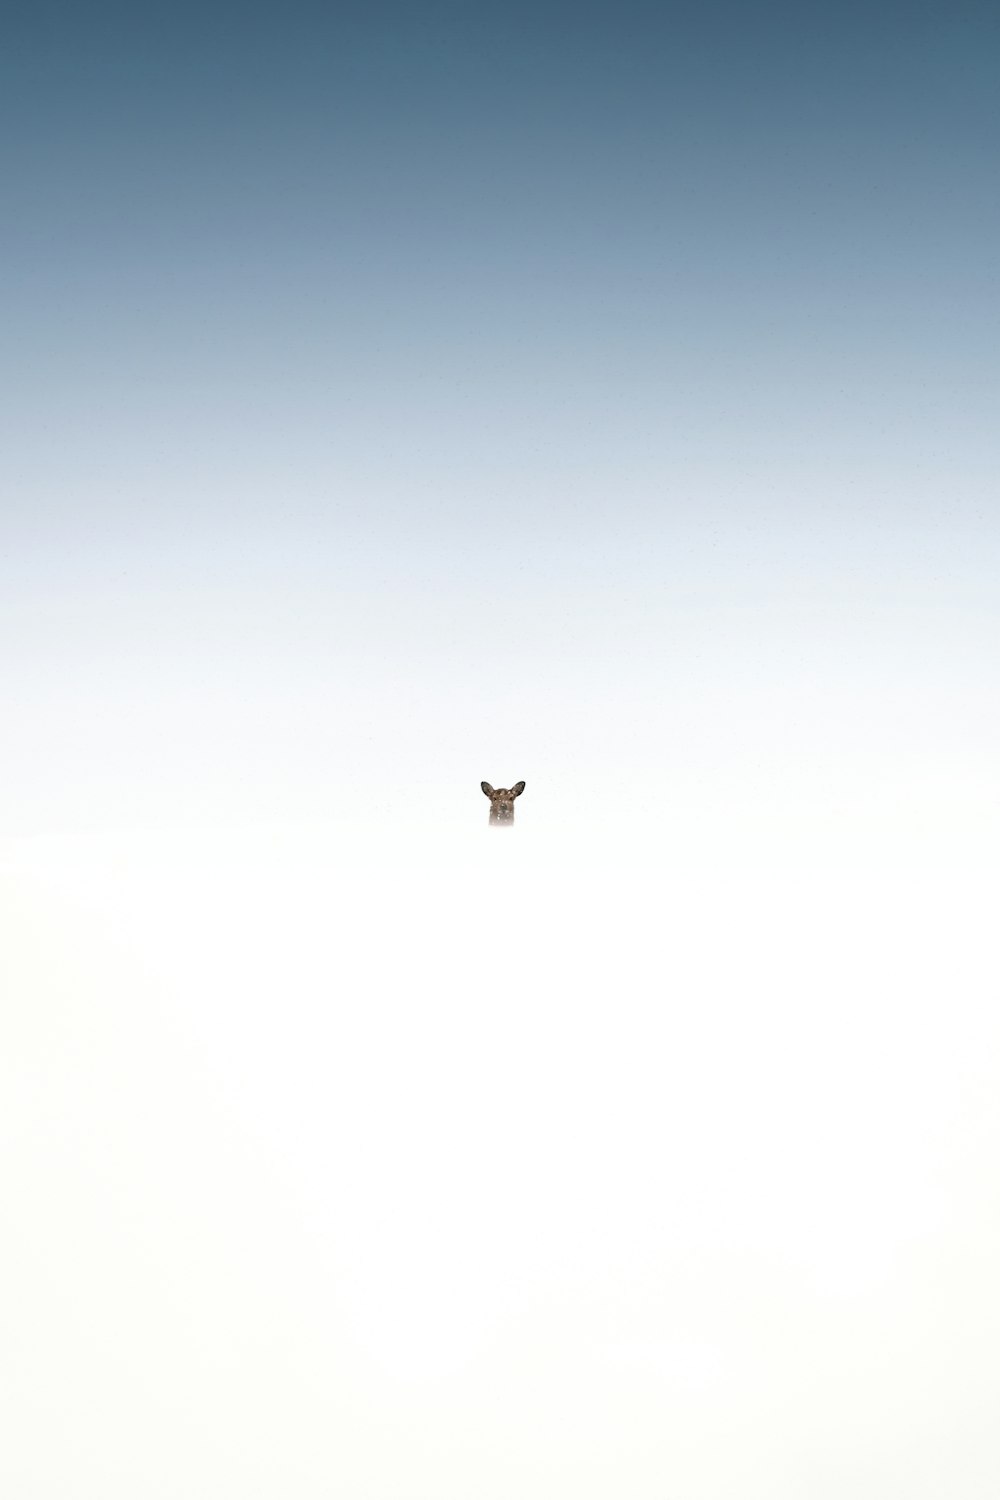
(502, 803)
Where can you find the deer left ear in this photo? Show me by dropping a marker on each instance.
(516, 791)
(487, 788)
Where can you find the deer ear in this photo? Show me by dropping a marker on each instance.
(487, 788)
(516, 791)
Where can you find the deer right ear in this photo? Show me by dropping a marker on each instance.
(487, 788)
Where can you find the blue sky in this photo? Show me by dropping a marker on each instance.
(346, 345)
(550, 238)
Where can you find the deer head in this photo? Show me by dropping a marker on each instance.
(502, 804)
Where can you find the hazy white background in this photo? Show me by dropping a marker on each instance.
(405, 398)
(351, 1147)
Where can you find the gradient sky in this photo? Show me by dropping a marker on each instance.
(360, 264)
(397, 396)
(352, 348)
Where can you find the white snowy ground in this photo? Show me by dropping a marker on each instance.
(423, 1162)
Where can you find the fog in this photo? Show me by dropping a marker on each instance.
(400, 397)
(431, 1159)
